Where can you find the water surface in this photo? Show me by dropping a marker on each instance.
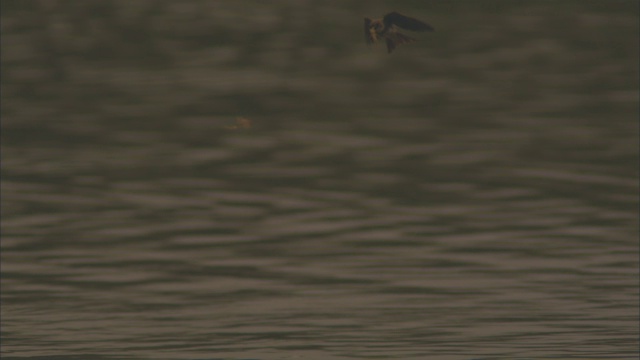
(472, 196)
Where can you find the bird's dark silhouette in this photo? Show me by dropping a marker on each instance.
(387, 28)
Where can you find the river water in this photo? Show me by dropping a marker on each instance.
(249, 180)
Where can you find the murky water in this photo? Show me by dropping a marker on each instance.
(474, 195)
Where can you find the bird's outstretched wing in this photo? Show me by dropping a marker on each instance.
(368, 36)
(396, 39)
(405, 22)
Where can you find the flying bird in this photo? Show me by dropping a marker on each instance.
(387, 28)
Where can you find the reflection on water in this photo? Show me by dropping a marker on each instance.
(204, 179)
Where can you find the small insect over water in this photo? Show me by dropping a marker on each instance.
(387, 28)
(241, 124)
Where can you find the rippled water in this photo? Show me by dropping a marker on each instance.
(472, 196)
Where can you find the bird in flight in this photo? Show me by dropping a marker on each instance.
(387, 28)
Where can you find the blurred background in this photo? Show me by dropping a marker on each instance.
(473, 195)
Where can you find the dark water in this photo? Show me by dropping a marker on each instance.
(472, 196)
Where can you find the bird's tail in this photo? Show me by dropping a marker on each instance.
(393, 40)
